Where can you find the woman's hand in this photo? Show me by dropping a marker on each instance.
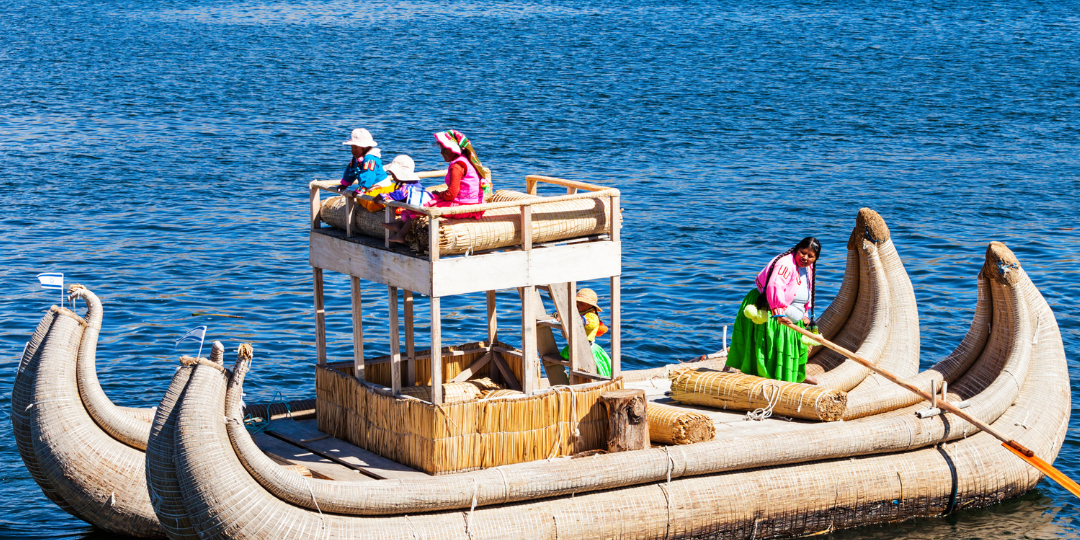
(784, 320)
(806, 321)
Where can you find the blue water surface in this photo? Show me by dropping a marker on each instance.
(159, 151)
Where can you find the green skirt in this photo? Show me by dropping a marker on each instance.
(768, 350)
(603, 361)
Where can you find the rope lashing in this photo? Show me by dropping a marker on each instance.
(307, 483)
(771, 399)
(869, 235)
(1004, 267)
(468, 520)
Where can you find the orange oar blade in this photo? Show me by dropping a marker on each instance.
(1047, 469)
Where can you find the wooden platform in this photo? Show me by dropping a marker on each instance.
(559, 262)
(301, 443)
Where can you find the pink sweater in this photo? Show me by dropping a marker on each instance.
(784, 283)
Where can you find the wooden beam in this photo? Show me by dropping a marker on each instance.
(509, 379)
(320, 317)
(410, 343)
(572, 337)
(357, 329)
(316, 206)
(616, 327)
(526, 228)
(615, 221)
(564, 182)
(528, 340)
(395, 343)
(436, 351)
(474, 367)
(433, 239)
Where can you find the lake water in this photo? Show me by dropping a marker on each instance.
(158, 152)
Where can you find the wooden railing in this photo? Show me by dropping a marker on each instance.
(592, 191)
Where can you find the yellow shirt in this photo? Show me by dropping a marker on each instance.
(592, 325)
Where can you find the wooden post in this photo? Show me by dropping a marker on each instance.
(320, 317)
(572, 337)
(628, 425)
(388, 214)
(316, 206)
(526, 227)
(410, 344)
(436, 350)
(349, 207)
(530, 185)
(357, 330)
(493, 333)
(528, 340)
(433, 244)
(616, 328)
(395, 343)
(615, 218)
(493, 322)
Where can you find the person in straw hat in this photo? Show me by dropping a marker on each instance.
(784, 291)
(589, 309)
(365, 170)
(467, 180)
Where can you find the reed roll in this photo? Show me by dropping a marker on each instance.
(672, 425)
(501, 227)
(743, 392)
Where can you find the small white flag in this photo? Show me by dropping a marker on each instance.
(198, 333)
(53, 281)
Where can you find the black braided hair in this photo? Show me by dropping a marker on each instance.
(814, 245)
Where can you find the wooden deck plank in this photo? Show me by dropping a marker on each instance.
(319, 467)
(305, 434)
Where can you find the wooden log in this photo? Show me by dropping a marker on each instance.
(628, 425)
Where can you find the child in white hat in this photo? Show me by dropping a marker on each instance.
(365, 170)
(406, 185)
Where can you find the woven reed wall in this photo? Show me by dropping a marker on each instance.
(463, 436)
(743, 392)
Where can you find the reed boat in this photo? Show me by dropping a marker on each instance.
(86, 453)
(894, 458)
(212, 481)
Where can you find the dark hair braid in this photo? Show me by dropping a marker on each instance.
(762, 301)
(814, 245)
(813, 294)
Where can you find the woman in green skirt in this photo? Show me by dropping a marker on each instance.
(784, 292)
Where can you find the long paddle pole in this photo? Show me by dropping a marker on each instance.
(1020, 450)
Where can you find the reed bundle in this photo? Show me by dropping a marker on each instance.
(504, 393)
(365, 222)
(672, 425)
(748, 393)
(453, 392)
(465, 435)
(501, 227)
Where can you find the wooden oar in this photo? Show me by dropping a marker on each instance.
(1020, 450)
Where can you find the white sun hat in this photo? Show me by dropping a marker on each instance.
(403, 169)
(447, 141)
(361, 137)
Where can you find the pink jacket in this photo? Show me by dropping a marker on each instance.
(784, 283)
